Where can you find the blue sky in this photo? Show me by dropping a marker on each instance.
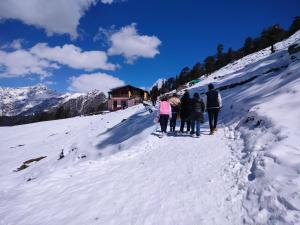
(139, 40)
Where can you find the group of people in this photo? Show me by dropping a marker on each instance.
(190, 111)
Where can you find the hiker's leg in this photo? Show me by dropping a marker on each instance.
(192, 126)
(188, 125)
(174, 124)
(198, 128)
(181, 125)
(171, 124)
(166, 119)
(210, 118)
(216, 113)
(161, 122)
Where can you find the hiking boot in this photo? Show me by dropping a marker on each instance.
(215, 130)
(212, 132)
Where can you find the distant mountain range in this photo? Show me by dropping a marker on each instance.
(27, 100)
(38, 103)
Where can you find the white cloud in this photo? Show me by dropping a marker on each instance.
(131, 45)
(55, 16)
(104, 34)
(99, 81)
(41, 59)
(15, 44)
(22, 63)
(73, 56)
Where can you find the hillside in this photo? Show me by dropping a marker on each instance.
(40, 103)
(27, 100)
(114, 169)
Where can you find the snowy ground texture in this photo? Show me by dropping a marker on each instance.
(115, 169)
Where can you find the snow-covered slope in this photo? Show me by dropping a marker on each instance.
(115, 170)
(26, 100)
(261, 119)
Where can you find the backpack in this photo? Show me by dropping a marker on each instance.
(199, 106)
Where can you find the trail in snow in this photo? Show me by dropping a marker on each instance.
(174, 180)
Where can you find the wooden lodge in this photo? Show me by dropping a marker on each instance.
(125, 96)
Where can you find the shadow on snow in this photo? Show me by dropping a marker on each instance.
(131, 128)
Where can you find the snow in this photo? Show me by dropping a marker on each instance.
(159, 83)
(68, 96)
(116, 170)
(14, 101)
(129, 176)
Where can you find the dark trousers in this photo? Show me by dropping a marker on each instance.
(188, 124)
(173, 122)
(213, 118)
(163, 120)
(197, 124)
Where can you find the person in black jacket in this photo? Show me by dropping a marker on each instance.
(213, 106)
(185, 111)
(198, 108)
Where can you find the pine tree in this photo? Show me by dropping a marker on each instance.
(271, 36)
(256, 45)
(229, 56)
(177, 82)
(196, 72)
(295, 26)
(209, 64)
(220, 56)
(154, 92)
(183, 76)
(248, 46)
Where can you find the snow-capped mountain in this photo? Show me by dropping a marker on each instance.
(37, 103)
(27, 100)
(158, 83)
(80, 104)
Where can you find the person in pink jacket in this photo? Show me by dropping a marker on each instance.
(164, 114)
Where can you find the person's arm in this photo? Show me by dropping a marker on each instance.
(220, 100)
(157, 115)
(203, 106)
(170, 110)
(205, 102)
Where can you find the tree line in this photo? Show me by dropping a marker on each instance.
(210, 64)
